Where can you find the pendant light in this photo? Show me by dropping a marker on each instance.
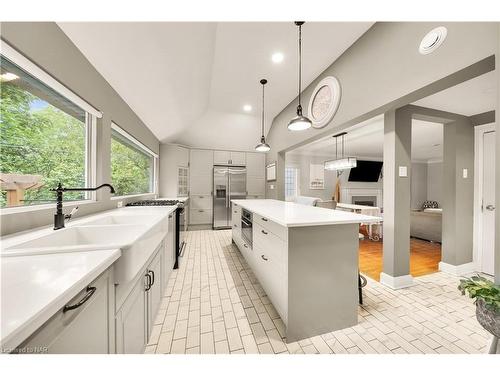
(342, 163)
(262, 146)
(299, 122)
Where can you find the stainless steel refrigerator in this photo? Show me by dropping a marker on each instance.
(229, 183)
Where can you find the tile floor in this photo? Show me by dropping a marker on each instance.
(214, 304)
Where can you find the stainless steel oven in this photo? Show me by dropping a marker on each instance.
(246, 226)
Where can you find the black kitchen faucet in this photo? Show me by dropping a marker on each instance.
(59, 217)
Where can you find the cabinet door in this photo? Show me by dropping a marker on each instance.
(83, 330)
(237, 158)
(131, 322)
(201, 184)
(256, 186)
(222, 157)
(256, 164)
(154, 292)
(182, 154)
(201, 162)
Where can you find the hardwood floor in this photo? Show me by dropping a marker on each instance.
(424, 257)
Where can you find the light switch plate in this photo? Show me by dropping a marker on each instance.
(271, 187)
(465, 173)
(119, 204)
(403, 171)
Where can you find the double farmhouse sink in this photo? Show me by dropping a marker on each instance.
(136, 234)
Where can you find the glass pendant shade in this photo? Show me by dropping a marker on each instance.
(340, 164)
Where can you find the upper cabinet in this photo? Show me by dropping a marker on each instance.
(256, 164)
(174, 161)
(182, 156)
(229, 158)
(256, 173)
(201, 162)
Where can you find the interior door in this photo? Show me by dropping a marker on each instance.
(220, 198)
(237, 187)
(488, 204)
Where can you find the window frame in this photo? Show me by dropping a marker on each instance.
(91, 116)
(289, 198)
(141, 147)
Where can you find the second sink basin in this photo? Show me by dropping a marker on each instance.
(79, 238)
(122, 219)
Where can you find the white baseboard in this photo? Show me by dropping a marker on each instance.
(459, 270)
(396, 282)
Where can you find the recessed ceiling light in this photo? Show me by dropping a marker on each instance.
(247, 107)
(277, 57)
(6, 77)
(432, 40)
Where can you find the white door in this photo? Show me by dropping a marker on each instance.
(488, 204)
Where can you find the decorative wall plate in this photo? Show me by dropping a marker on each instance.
(324, 102)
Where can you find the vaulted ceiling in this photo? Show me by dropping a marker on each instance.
(189, 81)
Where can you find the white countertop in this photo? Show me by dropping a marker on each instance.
(291, 214)
(34, 288)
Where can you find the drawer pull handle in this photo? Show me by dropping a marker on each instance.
(90, 291)
(264, 219)
(263, 231)
(148, 282)
(152, 273)
(201, 197)
(201, 211)
(263, 257)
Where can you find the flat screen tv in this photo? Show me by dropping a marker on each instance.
(366, 171)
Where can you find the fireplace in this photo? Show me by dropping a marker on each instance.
(365, 200)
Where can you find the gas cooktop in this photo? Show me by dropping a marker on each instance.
(151, 202)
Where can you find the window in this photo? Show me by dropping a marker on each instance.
(133, 165)
(45, 135)
(291, 183)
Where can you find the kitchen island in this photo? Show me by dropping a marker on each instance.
(305, 258)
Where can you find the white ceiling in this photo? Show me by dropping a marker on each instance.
(189, 81)
(472, 97)
(366, 141)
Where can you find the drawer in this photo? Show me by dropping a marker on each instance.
(272, 245)
(200, 216)
(236, 209)
(201, 201)
(271, 226)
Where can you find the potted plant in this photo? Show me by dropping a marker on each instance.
(486, 296)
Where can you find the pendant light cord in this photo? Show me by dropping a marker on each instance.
(299, 107)
(263, 109)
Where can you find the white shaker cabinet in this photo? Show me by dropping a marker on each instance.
(84, 325)
(201, 177)
(256, 172)
(134, 320)
(229, 157)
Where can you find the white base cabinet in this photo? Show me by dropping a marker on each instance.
(88, 328)
(134, 320)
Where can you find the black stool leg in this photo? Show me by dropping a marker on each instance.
(360, 290)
